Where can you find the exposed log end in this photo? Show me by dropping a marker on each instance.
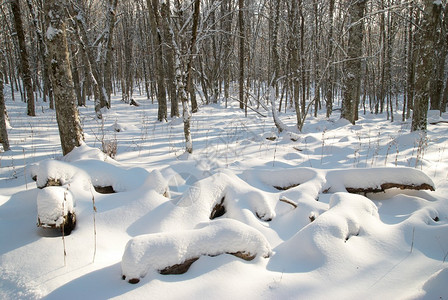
(134, 280)
(218, 210)
(104, 189)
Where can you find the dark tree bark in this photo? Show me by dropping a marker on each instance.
(294, 61)
(424, 65)
(241, 52)
(440, 51)
(109, 35)
(24, 62)
(194, 36)
(352, 79)
(329, 83)
(169, 53)
(155, 24)
(70, 130)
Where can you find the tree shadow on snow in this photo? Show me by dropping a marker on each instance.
(105, 283)
(18, 216)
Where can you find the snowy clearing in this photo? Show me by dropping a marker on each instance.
(302, 210)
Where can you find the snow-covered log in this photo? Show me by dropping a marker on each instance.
(376, 180)
(55, 209)
(176, 251)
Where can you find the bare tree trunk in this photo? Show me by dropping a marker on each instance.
(294, 61)
(180, 82)
(424, 65)
(410, 66)
(329, 84)
(302, 58)
(154, 18)
(241, 52)
(275, 61)
(169, 53)
(70, 130)
(352, 78)
(24, 63)
(227, 44)
(110, 27)
(440, 51)
(47, 90)
(3, 132)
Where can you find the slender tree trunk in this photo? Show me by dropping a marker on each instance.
(227, 45)
(241, 52)
(154, 18)
(302, 58)
(3, 132)
(424, 65)
(108, 62)
(24, 63)
(410, 65)
(47, 90)
(294, 61)
(70, 130)
(329, 85)
(169, 54)
(440, 51)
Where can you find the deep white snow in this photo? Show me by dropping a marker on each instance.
(285, 201)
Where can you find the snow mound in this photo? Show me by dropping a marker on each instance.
(435, 286)
(53, 203)
(376, 180)
(157, 252)
(238, 199)
(85, 172)
(86, 152)
(310, 247)
(59, 173)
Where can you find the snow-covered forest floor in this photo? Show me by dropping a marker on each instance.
(282, 199)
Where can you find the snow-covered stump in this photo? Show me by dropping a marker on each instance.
(174, 252)
(55, 209)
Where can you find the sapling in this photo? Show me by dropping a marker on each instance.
(422, 145)
(323, 145)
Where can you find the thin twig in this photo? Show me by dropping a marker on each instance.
(63, 225)
(94, 223)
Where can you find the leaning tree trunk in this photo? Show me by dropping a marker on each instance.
(3, 132)
(352, 78)
(70, 130)
(424, 66)
(25, 66)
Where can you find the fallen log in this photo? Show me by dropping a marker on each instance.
(390, 185)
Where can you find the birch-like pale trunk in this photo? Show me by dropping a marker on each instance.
(3, 132)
